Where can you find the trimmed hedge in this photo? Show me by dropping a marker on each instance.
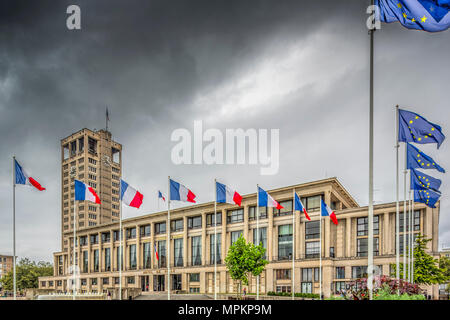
(297, 294)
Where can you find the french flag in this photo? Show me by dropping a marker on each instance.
(156, 252)
(300, 207)
(23, 178)
(130, 196)
(227, 195)
(326, 211)
(265, 200)
(84, 192)
(160, 195)
(180, 192)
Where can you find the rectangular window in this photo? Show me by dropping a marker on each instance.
(94, 281)
(85, 261)
(196, 250)
(96, 261)
(117, 235)
(312, 249)
(362, 245)
(262, 238)
(132, 257)
(119, 258)
(145, 230)
(210, 219)
(283, 274)
(160, 228)
(215, 249)
(285, 242)
(162, 254)
(307, 274)
(235, 236)
(195, 222)
(235, 216)
(94, 238)
(316, 275)
(147, 255)
(194, 277)
(177, 225)
(287, 208)
(178, 252)
(340, 272)
(131, 233)
(107, 259)
(363, 226)
(105, 280)
(416, 221)
(131, 280)
(106, 237)
(359, 272)
(312, 203)
(312, 230)
(252, 213)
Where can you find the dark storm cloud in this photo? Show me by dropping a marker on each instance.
(158, 65)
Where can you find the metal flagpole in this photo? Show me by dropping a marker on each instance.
(14, 228)
(410, 235)
(120, 245)
(320, 256)
(293, 244)
(215, 241)
(257, 235)
(404, 216)
(168, 241)
(74, 242)
(413, 243)
(370, 222)
(397, 204)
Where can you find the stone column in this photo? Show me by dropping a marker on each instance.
(138, 248)
(245, 231)
(204, 258)
(185, 243)
(224, 235)
(348, 237)
(384, 235)
(327, 227)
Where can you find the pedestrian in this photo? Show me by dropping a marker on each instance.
(245, 291)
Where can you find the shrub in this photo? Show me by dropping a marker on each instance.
(297, 294)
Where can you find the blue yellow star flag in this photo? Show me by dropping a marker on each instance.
(427, 15)
(426, 196)
(418, 159)
(422, 181)
(415, 128)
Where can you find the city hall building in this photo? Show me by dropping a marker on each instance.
(192, 240)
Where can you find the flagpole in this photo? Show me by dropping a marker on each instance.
(74, 240)
(120, 243)
(410, 235)
(320, 256)
(293, 243)
(370, 222)
(397, 204)
(404, 216)
(14, 227)
(257, 235)
(413, 243)
(215, 241)
(168, 241)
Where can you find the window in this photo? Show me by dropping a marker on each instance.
(145, 230)
(416, 221)
(312, 249)
(235, 236)
(94, 238)
(162, 253)
(194, 277)
(285, 242)
(83, 241)
(234, 216)
(81, 144)
(210, 218)
(132, 252)
(117, 235)
(307, 280)
(312, 230)
(252, 213)
(331, 252)
(215, 249)
(131, 233)
(286, 210)
(92, 145)
(359, 272)
(105, 280)
(96, 260)
(119, 258)
(94, 281)
(195, 222)
(107, 259)
(178, 252)
(363, 245)
(340, 272)
(196, 250)
(85, 261)
(176, 225)
(340, 285)
(312, 203)
(316, 274)
(363, 226)
(286, 289)
(147, 255)
(131, 280)
(106, 237)
(160, 228)
(283, 274)
(407, 241)
(262, 238)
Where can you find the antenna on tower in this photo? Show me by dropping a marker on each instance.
(107, 118)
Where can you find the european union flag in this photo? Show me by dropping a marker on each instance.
(418, 159)
(415, 128)
(428, 15)
(426, 196)
(421, 181)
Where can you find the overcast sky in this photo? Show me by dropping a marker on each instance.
(297, 66)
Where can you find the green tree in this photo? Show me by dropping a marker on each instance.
(244, 259)
(27, 273)
(426, 268)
